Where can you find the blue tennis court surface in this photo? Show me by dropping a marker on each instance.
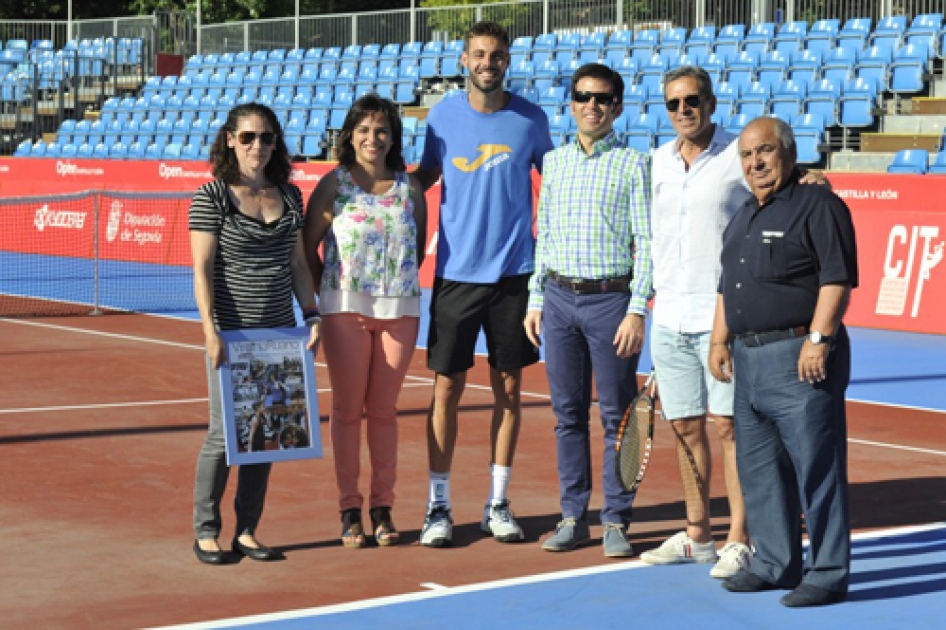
(898, 581)
(883, 366)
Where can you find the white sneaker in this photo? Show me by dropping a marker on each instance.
(499, 521)
(679, 549)
(438, 527)
(733, 558)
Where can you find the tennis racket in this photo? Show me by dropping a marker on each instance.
(636, 437)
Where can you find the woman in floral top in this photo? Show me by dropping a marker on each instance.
(371, 218)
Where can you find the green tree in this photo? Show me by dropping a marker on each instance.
(456, 22)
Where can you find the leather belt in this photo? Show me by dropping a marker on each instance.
(585, 286)
(754, 340)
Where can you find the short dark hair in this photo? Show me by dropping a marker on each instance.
(700, 75)
(372, 104)
(604, 73)
(486, 29)
(223, 159)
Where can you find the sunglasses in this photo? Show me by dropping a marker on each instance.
(247, 138)
(602, 98)
(693, 100)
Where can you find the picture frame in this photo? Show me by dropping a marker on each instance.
(270, 398)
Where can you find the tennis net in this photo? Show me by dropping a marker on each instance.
(95, 252)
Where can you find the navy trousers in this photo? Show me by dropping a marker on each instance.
(791, 451)
(579, 339)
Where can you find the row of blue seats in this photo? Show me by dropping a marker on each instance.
(368, 72)
(849, 104)
(899, 71)
(917, 161)
(823, 35)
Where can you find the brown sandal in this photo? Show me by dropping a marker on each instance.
(353, 533)
(385, 533)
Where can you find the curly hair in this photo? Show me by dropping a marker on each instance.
(224, 160)
(360, 109)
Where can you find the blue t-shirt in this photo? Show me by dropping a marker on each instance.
(486, 196)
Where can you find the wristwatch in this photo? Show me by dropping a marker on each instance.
(816, 338)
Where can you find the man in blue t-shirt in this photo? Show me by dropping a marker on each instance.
(484, 144)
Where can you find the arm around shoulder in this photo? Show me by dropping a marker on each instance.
(419, 200)
(318, 217)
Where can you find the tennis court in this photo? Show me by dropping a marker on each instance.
(101, 419)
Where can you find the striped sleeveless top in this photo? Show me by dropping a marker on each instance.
(252, 278)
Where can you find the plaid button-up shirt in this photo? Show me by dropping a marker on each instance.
(594, 218)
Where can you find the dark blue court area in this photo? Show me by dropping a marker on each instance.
(898, 581)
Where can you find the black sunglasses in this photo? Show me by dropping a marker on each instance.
(602, 98)
(693, 100)
(248, 137)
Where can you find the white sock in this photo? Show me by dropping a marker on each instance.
(439, 489)
(500, 484)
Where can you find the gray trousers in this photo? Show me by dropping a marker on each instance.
(212, 474)
(791, 451)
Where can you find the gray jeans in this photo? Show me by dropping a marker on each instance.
(212, 474)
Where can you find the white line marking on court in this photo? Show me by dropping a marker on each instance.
(898, 447)
(433, 586)
(895, 405)
(182, 401)
(483, 586)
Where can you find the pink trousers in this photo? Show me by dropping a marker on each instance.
(367, 361)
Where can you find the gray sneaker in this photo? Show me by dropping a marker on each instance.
(615, 542)
(570, 533)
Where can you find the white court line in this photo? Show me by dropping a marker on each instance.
(433, 586)
(898, 447)
(182, 401)
(442, 591)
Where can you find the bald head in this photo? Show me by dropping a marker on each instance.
(768, 155)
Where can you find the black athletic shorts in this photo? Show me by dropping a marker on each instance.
(458, 310)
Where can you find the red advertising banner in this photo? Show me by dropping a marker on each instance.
(900, 222)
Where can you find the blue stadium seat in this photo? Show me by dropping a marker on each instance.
(759, 37)
(915, 161)
(790, 37)
(118, 151)
(66, 129)
(938, 165)
(787, 100)
(857, 103)
(854, 34)
(873, 64)
(805, 66)
(100, 151)
(754, 100)
(889, 32)
(742, 68)
(773, 67)
(618, 46)
(908, 69)
(839, 64)
(69, 150)
(809, 133)
(822, 35)
(644, 45)
(924, 29)
(822, 99)
(642, 132)
(701, 40)
(729, 40)
(726, 96)
(652, 72)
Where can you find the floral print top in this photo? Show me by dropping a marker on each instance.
(371, 246)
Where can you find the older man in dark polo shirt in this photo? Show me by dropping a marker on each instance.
(788, 266)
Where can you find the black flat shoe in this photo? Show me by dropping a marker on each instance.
(209, 557)
(809, 595)
(254, 553)
(747, 582)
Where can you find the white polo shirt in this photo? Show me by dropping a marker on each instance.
(690, 210)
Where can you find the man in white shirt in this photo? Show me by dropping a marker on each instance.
(697, 187)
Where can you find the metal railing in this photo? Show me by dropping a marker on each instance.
(533, 17)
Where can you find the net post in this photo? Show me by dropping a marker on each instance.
(95, 256)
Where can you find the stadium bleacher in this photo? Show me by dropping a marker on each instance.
(833, 82)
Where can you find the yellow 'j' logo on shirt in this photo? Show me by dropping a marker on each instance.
(486, 152)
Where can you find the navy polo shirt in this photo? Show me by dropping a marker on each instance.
(776, 257)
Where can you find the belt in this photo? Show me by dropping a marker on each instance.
(583, 286)
(754, 340)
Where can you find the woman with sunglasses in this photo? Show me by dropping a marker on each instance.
(249, 260)
(372, 219)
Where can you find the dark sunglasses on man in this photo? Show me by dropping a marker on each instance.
(247, 138)
(602, 98)
(692, 101)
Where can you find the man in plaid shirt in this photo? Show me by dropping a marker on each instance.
(592, 281)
